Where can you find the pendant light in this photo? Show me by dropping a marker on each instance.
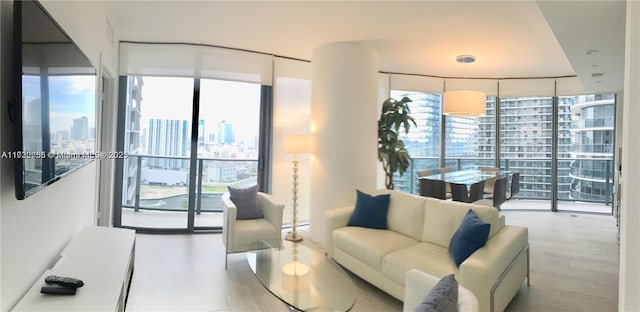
(464, 103)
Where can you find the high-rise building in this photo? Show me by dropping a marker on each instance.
(80, 129)
(201, 133)
(168, 137)
(593, 132)
(225, 133)
(132, 139)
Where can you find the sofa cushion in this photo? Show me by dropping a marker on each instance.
(470, 236)
(370, 211)
(406, 213)
(246, 202)
(423, 256)
(443, 297)
(442, 218)
(369, 245)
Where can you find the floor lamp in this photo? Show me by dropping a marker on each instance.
(295, 144)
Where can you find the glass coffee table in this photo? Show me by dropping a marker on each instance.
(303, 278)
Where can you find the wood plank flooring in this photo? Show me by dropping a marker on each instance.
(574, 267)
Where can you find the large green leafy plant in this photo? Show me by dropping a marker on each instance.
(391, 150)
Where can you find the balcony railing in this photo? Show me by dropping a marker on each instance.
(162, 182)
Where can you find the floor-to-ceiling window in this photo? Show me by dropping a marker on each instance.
(228, 134)
(562, 146)
(158, 138)
(193, 120)
(586, 135)
(526, 143)
(470, 141)
(423, 140)
(157, 147)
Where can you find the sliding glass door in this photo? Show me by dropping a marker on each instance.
(526, 130)
(157, 137)
(586, 132)
(228, 136)
(164, 185)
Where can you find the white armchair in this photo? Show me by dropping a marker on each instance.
(418, 284)
(242, 235)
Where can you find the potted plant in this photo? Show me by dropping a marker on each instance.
(391, 150)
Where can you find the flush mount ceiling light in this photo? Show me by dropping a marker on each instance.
(464, 103)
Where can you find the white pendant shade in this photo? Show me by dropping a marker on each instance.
(464, 103)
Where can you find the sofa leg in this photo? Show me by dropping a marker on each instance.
(528, 266)
(226, 255)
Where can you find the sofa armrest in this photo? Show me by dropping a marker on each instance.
(271, 209)
(229, 213)
(336, 218)
(418, 284)
(484, 267)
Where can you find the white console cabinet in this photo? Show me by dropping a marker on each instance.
(103, 258)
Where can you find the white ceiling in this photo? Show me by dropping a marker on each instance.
(509, 38)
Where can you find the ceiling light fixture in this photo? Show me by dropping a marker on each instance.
(464, 103)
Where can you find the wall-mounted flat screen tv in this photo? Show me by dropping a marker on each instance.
(55, 103)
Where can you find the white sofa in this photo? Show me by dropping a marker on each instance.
(418, 235)
(418, 284)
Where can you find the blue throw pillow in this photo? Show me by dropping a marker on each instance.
(370, 211)
(246, 201)
(443, 297)
(470, 236)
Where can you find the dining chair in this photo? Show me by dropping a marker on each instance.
(425, 173)
(445, 169)
(499, 194)
(488, 185)
(460, 193)
(489, 168)
(515, 185)
(433, 188)
(447, 186)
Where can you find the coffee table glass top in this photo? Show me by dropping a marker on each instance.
(302, 277)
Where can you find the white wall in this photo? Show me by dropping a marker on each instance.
(35, 230)
(630, 213)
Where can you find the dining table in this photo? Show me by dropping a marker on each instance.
(463, 185)
(468, 177)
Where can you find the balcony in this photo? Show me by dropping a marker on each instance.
(158, 189)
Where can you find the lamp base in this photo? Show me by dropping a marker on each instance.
(293, 236)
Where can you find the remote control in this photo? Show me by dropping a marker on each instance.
(67, 282)
(57, 290)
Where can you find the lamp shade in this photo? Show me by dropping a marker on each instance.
(464, 103)
(296, 144)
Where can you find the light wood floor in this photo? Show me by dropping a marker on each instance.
(574, 267)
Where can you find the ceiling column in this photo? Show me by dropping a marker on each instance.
(344, 127)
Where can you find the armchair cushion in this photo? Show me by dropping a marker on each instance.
(470, 236)
(246, 201)
(442, 298)
(370, 211)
